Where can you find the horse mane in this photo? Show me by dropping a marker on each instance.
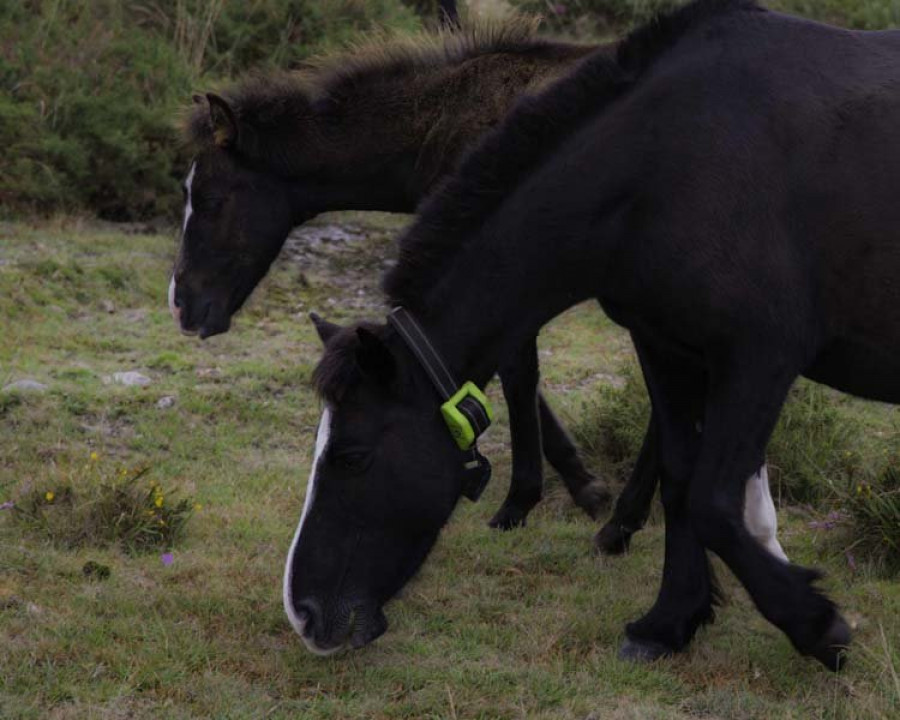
(270, 107)
(530, 134)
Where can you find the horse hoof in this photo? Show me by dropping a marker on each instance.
(643, 651)
(831, 650)
(612, 540)
(508, 518)
(594, 498)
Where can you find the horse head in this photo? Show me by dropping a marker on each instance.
(385, 479)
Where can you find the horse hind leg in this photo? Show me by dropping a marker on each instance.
(588, 492)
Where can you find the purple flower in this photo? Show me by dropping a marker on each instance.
(167, 559)
(559, 9)
(851, 561)
(8, 505)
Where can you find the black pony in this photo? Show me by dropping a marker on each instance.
(373, 129)
(376, 129)
(725, 187)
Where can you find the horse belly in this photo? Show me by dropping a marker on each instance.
(859, 370)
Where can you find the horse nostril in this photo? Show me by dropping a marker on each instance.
(307, 613)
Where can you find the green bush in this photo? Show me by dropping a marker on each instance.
(89, 89)
(812, 451)
(604, 18)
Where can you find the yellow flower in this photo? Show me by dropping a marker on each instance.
(124, 472)
(198, 507)
(159, 501)
(49, 495)
(94, 456)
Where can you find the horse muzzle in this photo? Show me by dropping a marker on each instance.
(353, 628)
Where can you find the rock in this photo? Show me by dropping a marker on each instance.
(108, 306)
(135, 316)
(165, 402)
(131, 378)
(26, 385)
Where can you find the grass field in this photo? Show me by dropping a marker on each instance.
(518, 625)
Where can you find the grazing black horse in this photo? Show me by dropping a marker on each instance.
(726, 188)
(373, 129)
(376, 130)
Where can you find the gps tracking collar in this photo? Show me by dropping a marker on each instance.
(466, 410)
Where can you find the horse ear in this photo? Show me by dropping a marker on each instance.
(198, 99)
(325, 329)
(223, 120)
(374, 358)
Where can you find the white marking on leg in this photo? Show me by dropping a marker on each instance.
(321, 446)
(176, 311)
(760, 518)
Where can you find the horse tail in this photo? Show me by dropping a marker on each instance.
(449, 15)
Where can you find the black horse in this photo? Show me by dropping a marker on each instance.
(376, 130)
(373, 129)
(726, 189)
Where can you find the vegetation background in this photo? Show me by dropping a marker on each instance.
(143, 529)
(89, 89)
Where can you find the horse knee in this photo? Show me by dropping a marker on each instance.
(714, 520)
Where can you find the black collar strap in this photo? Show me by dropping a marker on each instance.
(465, 409)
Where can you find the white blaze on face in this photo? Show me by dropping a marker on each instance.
(759, 513)
(321, 446)
(188, 207)
(188, 211)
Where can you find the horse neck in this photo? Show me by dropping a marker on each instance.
(399, 136)
(492, 303)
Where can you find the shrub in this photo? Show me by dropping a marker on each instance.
(604, 18)
(89, 89)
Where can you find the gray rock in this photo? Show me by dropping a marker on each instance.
(131, 378)
(165, 402)
(26, 385)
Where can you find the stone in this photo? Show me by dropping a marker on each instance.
(165, 402)
(131, 378)
(26, 385)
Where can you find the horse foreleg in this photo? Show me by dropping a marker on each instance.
(633, 506)
(746, 392)
(519, 380)
(687, 592)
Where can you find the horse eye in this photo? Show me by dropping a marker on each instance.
(353, 462)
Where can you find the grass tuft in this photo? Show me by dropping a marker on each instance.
(873, 512)
(93, 508)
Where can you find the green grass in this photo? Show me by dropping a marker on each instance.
(524, 624)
